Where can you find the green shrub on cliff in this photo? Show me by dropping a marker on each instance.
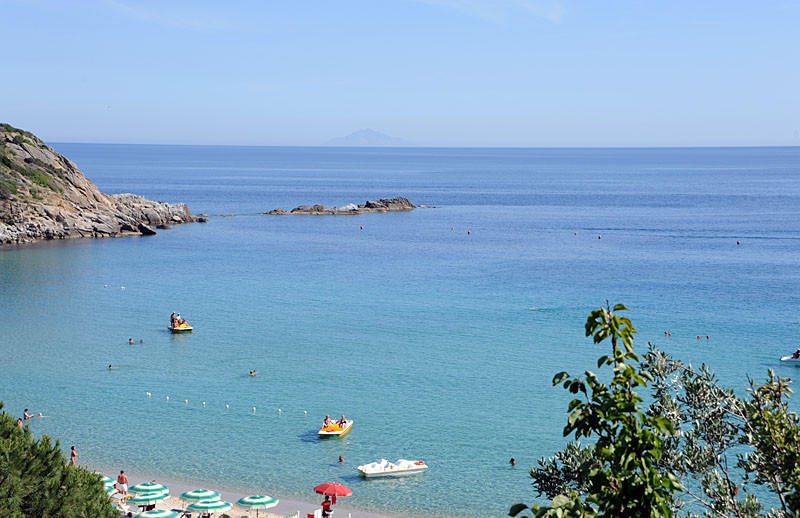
(36, 480)
(8, 185)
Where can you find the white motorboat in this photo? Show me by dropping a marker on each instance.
(384, 468)
(791, 358)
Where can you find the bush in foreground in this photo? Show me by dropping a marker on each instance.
(696, 449)
(36, 480)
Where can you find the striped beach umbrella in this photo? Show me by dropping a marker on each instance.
(199, 494)
(149, 498)
(147, 487)
(158, 513)
(210, 506)
(108, 481)
(109, 489)
(257, 502)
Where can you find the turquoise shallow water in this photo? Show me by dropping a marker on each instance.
(441, 345)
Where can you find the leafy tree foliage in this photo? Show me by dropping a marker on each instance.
(697, 448)
(36, 481)
(617, 476)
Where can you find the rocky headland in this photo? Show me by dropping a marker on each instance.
(381, 205)
(43, 195)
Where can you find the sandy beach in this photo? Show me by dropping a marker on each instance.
(285, 506)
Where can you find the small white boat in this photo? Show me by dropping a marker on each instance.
(790, 358)
(384, 468)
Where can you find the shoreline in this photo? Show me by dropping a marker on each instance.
(285, 505)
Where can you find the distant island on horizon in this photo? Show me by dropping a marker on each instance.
(367, 137)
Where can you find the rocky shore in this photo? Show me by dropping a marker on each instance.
(43, 196)
(381, 205)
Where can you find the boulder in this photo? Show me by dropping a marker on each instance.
(145, 230)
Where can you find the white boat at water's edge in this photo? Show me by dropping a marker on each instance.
(384, 468)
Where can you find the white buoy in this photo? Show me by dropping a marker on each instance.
(254, 410)
(167, 398)
(204, 403)
(122, 287)
(305, 412)
(279, 411)
(105, 285)
(186, 401)
(148, 394)
(227, 405)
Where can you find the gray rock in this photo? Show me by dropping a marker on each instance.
(381, 205)
(70, 205)
(145, 230)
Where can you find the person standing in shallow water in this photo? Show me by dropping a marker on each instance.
(72, 456)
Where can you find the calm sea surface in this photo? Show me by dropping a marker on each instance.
(441, 345)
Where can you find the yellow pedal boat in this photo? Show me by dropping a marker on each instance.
(183, 328)
(335, 429)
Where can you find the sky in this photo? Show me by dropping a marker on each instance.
(534, 73)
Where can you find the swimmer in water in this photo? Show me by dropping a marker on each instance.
(112, 367)
(253, 373)
(341, 459)
(130, 341)
(513, 461)
(27, 415)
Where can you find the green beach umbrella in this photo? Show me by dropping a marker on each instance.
(108, 481)
(147, 487)
(158, 513)
(210, 506)
(200, 494)
(149, 498)
(109, 489)
(257, 502)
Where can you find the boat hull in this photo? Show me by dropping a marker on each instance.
(325, 433)
(179, 330)
(790, 359)
(393, 473)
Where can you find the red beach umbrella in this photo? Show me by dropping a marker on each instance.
(333, 489)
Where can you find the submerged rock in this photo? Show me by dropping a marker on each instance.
(43, 195)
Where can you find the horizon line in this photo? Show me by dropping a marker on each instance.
(426, 146)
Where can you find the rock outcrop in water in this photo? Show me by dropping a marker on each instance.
(382, 205)
(43, 195)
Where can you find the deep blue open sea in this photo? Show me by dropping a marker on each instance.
(440, 344)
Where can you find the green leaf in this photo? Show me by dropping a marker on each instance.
(561, 376)
(516, 509)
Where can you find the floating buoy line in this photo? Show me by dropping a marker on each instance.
(203, 404)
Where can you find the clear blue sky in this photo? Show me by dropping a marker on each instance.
(435, 72)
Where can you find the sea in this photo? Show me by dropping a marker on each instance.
(437, 330)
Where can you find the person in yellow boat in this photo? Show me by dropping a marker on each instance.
(342, 422)
(327, 421)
